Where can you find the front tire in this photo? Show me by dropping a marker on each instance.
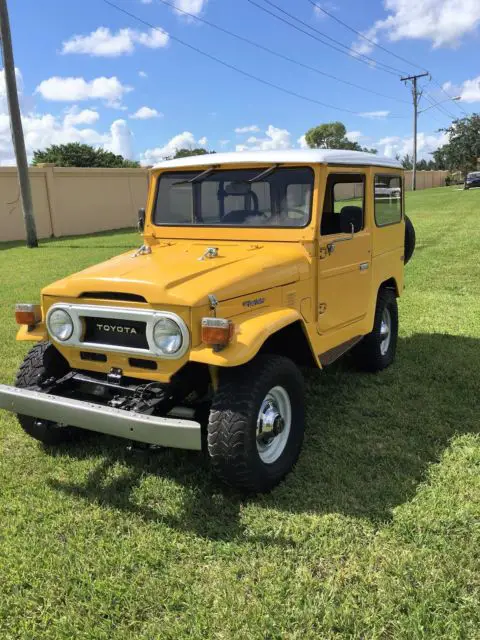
(377, 350)
(41, 363)
(257, 421)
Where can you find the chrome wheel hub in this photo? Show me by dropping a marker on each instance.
(385, 331)
(273, 424)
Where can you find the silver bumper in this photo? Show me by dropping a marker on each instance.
(167, 432)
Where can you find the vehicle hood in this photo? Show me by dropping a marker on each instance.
(174, 273)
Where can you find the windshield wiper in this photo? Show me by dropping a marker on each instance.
(263, 174)
(198, 177)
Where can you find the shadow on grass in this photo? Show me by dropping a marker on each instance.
(369, 441)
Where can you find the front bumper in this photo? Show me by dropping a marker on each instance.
(167, 432)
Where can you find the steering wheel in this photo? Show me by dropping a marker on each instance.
(240, 215)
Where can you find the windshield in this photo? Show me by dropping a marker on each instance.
(474, 174)
(235, 197)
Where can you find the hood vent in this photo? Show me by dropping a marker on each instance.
(113, 295)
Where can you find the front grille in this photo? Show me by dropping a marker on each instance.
(119, 333)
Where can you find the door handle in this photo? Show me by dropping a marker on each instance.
(363, 266)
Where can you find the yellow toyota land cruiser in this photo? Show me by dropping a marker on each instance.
(252, 265)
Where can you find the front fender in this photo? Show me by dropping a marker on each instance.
(36, 334)
(251, 331)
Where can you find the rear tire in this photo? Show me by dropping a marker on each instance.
(256, 424)
(43, 362)
(377, 350)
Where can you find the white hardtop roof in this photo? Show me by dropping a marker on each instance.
(302, 156)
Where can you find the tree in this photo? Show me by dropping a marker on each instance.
(407, 162)
(462, 150)
(333, 135)
(75, 154)
(185, 153)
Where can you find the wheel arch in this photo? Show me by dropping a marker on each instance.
(291, 341)
(390, 283)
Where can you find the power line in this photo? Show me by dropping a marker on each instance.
(234, 68)
(359, 57)
(364, 37)
(449, 96)
(379, 46)
(279, 54)
(439, 105)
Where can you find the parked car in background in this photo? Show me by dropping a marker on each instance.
(472, 180)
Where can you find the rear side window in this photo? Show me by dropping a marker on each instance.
(388, 200)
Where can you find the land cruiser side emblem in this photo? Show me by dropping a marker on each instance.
(253, 303)
(115, 328)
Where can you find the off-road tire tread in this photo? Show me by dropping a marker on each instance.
(31, 372)
(232, 405)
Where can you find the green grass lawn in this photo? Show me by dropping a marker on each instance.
(375, 535)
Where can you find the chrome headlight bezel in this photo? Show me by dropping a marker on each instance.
(68, 322)
(181, 332)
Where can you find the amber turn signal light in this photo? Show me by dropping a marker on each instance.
(216, 331)
(29, 314)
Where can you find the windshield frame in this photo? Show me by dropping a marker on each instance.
(256, 168)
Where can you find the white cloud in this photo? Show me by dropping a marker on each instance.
(76, 89)
(390, 146)
(143, 74)
(443, 22)
(374, 114)
(469, 91)
(354, 135)
(102, 42)
(190, 6)
(185, 140)
(249, 129)
(223, 143)
(74, 116)
(153, 39)
(274, 139)
(203, 141)
(302, 142)
(330, 6)
(44, 129)
(3, 89)
(144, 113)
(120, 139)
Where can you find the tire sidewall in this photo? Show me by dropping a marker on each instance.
(272, 472)
(387, 300)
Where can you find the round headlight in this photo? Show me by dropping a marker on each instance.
(167, 336)
(60, 325)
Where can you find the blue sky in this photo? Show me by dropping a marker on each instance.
(90, 73)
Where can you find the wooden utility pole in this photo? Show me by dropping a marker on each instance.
(16, 126)
(416, 98)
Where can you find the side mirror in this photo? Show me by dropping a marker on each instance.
(351, 217)
(141, 220)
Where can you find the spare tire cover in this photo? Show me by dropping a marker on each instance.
(409, 239)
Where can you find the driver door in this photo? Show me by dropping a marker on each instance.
(344, 260)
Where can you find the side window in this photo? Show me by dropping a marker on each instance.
(388, 200)
(343, 190)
